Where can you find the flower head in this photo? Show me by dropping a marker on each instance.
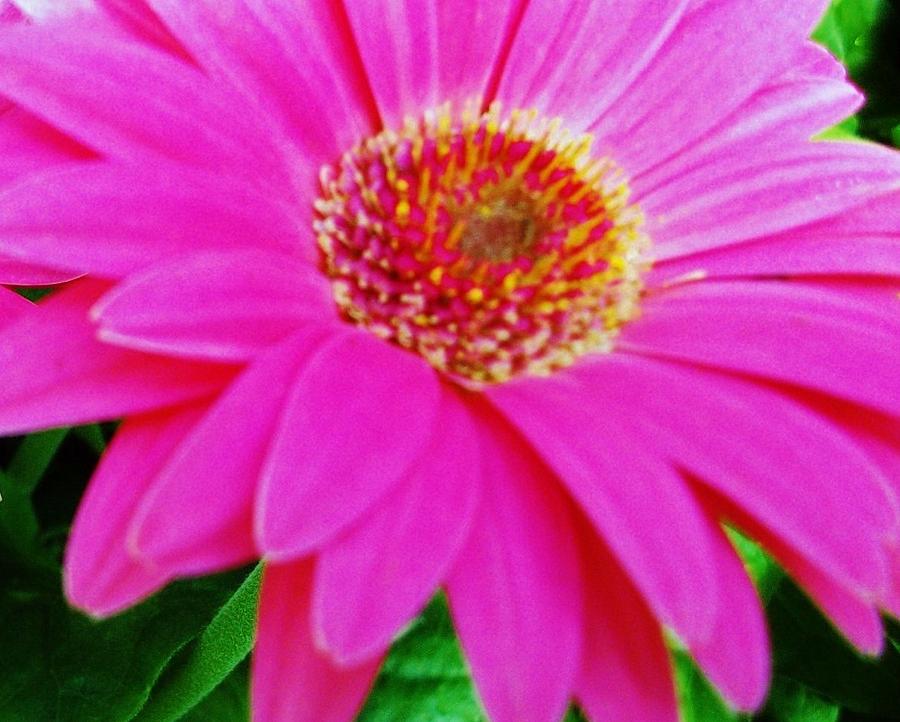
(502, 297)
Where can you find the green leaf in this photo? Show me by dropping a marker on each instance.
(19, 527)
(229, 702)
(763, 570)
(92, 435)
(847, 30)
(790, 701)
(202, 666)
(847, 130)
(57, 664)
(809, 651)
(424, 678)
(33, 457)
(697, 699)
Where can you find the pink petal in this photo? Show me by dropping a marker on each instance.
(573, 60)
(420, 54)
(10, 13)
(636, 500)
(683, 93)
(139, 21)
(56, 373)
(891, 601)
(28, 145)
(785, 466)
(44, 11)
(16, 273)
(743, 197)
(12, 305)
(815, 60)
(357, 418)
(197, 516)
(292, 680)
(290, 60)
(854, 616)
(790, 109)
(814, 338)
(736, 657)
(626, 672)
(68, 76)
(374, 579)
(218, 305)
(114, 219)
(100, 577)
(863, 241)
(515, 591)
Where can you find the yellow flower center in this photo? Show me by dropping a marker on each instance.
(492, 246)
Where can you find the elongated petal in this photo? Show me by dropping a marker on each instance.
(67, 76)
(287, 59)
(864, 241)
(516, 589)
(100, 576)
(784, 465)
(374, 579)
(891, 601)
(735, 201)
(29, 145)
(112, 219)
(218, 305)
(420, 54)
(55, 372)
(683, 93)
(292, 680)
(137, 19)
(788, 110)
(198, 514)
(626, 672)
(736, 657)
(358, 417)
(636, 500)
(16, 273)
(856, 617)
(560, 64)
(812, 337)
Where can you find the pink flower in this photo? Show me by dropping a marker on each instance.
(388, 356)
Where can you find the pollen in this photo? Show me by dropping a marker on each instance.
(492, 245)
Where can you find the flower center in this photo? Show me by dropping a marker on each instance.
(492, 247)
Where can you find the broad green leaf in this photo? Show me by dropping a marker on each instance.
(229, 702)
(202, 666)
(847, 30)
(57, 664)
(424, 678)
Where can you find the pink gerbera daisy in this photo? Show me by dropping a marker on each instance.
(518, 299)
